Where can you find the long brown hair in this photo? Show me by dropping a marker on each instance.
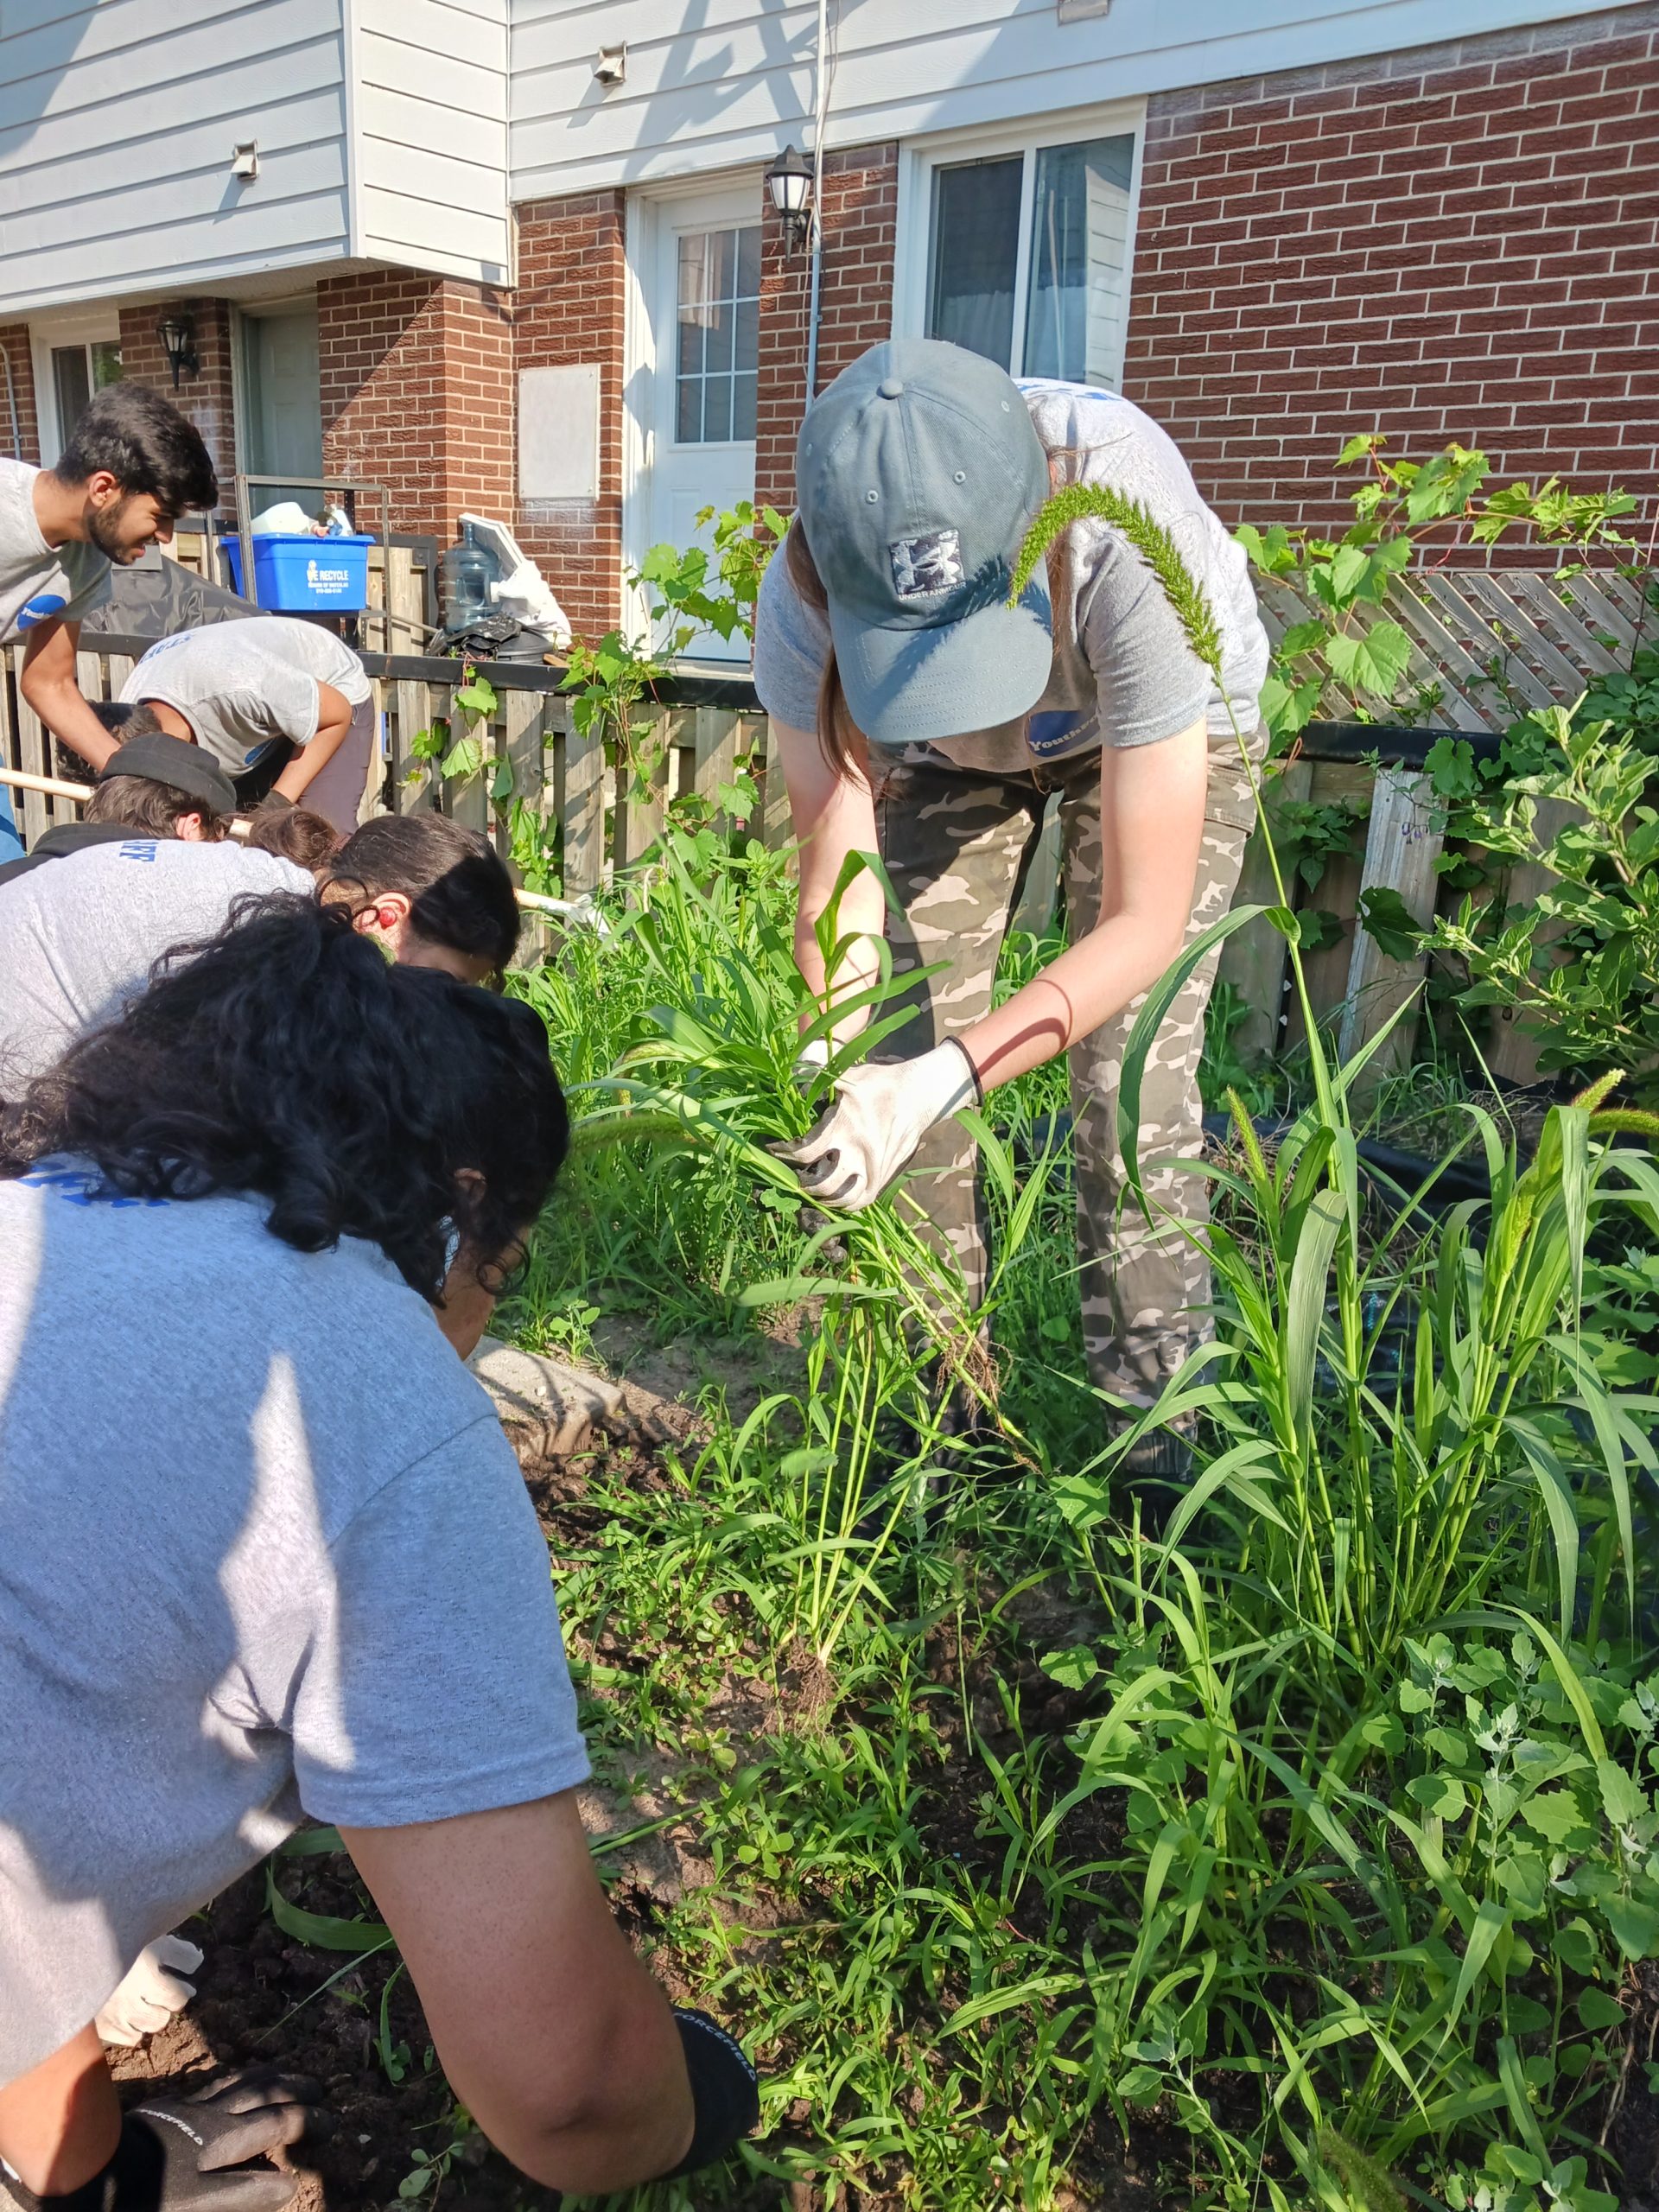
(843, 744)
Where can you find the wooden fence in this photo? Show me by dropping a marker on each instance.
(1485, 638)
(1484, 641)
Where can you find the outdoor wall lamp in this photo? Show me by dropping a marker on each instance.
(790, 182)
(178, 337)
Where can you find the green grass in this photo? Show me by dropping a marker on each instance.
(1306, 1856)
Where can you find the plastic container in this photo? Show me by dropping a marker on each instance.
(469, 569)
(305, 574)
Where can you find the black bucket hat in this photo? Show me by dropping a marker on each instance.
(171, 760)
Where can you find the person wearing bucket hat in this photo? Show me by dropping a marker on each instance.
(920, 715)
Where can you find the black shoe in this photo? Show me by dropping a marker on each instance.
(1155, 1475)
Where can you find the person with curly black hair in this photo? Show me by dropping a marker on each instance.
(280, 1561)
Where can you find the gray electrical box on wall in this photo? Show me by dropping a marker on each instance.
(1075, 11)
(558, 432)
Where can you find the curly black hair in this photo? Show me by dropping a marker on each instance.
(289, 1057)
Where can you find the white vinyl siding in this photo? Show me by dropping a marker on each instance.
(381, 126)
(432, 128)
(724, 82)
(116, 123)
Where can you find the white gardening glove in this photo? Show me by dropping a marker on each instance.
(152, 1992)
(880, 1115)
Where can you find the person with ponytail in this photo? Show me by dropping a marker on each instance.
(922, 713)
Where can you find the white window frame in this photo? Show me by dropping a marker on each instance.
(99, 326)
(921, 157)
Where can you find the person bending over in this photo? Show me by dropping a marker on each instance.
(240, 689)
(295, 1170)
(917, 714)
(132, 466)
(82, 935)
(436, 895)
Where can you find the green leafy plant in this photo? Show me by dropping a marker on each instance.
(693, 590)
(1347, 646)
(1579, 962)
(699, 590)
(461, 758)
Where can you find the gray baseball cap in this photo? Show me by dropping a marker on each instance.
(917, 473)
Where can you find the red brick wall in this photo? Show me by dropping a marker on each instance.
(568, 310)
(416, 387)
(1457, 242)
(205, 397)
(14, 352)
(861, 204)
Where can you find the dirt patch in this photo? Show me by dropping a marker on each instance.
(745, 1368)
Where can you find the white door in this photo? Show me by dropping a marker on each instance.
(701, 289)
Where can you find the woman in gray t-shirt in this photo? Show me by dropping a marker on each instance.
(264, 1552)
(917, 713)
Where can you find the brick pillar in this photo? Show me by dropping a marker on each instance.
(568, 311)
(860, 205)
(416, 388)
(205, 397)
(15, 355)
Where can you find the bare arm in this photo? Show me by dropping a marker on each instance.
(50, 685)
(1151, 825)
(832, 815)
(552, 2034)
(333, 726)
(59, 2121)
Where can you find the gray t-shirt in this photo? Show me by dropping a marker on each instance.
(40, 582)
(263, 1549)
(242, 685)
(81, 934)
(1123, 673)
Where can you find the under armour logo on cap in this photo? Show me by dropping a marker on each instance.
(922, 565)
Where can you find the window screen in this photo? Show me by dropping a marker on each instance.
(1044, 296)
(975, 251)
(72, 387)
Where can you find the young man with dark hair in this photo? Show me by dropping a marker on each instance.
(240, 689)
(132, 466)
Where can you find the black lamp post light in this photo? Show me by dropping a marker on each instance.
(178, 337)
(790, 181)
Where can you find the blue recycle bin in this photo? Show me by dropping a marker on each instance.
(295, 574)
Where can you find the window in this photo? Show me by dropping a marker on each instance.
(717, 336)
(1028, 255)
(77, 372)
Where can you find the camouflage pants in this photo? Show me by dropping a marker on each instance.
(958, 843)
